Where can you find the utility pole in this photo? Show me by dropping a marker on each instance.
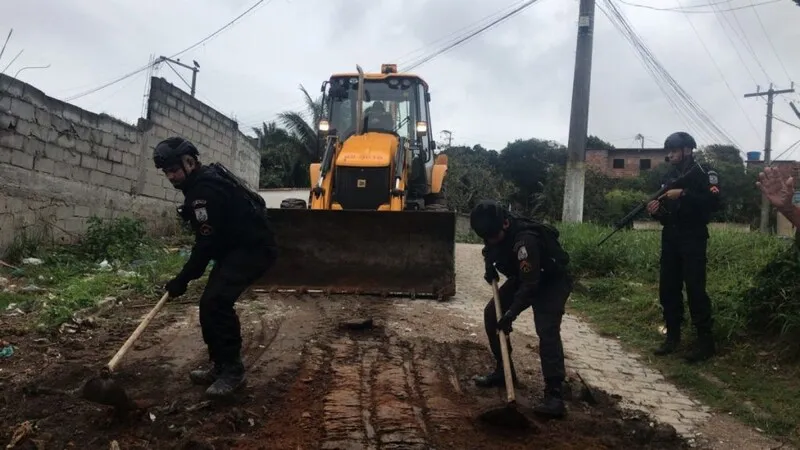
(449, 137)
(771, 93)
(579, 117)
(194, 69)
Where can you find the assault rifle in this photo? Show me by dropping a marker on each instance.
(622, 223)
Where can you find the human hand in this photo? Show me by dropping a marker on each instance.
(671, 194)
(653, 207)
(778, 191)
(491, 274)
(176, 287)
(505, 322)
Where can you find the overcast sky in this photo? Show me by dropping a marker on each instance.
(513, 81)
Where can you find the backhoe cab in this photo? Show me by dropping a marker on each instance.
(379, 152)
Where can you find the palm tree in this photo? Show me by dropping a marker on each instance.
(283, 157)
(303, 129)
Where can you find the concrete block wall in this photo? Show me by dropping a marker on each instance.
(60, 164)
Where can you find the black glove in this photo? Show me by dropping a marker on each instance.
(505, 323)
(491, 273)
(176, 287)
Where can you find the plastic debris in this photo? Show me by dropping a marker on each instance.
(32, 288)
(6, 349)
(127, 273)
(105, 265)
(32, 261)
(21, 432)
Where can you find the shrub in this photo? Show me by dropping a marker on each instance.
(119, 239)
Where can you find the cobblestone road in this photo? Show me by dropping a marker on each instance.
(604, 364)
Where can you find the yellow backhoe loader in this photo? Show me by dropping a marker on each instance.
(375, 221)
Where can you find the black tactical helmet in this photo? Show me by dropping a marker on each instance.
(679, 140)
(487, 219)
(169, 151)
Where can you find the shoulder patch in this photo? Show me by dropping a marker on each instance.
(201, 214)
(525, 267)
(522, 253)
(713, 178)
(198, 202)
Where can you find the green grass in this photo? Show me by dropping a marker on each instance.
(754, 284)
(742, 374)
(71, 279)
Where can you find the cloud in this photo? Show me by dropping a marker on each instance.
(514, 81)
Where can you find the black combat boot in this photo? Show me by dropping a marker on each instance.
(552, 406)
(496, 378)
(703, 348)
(229, 380)
(671, 343)
(205, 377)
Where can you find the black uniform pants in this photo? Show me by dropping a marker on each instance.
(683, 260)
(548, 309)
(230, 276)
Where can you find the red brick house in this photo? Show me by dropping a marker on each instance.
(787, 168)
(625, 162)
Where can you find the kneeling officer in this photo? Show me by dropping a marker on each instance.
(529, 255)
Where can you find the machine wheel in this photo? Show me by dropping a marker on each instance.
(293, 203)
(435, 202)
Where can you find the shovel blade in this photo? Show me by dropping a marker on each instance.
(105, 391)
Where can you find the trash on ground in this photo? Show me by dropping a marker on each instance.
(32, 261)
(6, 349)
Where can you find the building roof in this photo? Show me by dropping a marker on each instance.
(628, 150)
(774, 161)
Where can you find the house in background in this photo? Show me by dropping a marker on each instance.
(625, 162)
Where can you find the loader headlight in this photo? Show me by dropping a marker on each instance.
(422, 128)
(324, 126)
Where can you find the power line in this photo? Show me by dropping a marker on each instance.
(685, 10)
(769, 39)
(736, 99)
(402, 59)
(786, 151)
(679, 99)
(142, 69)
(735, 47)
(471, 35)
(750, 47)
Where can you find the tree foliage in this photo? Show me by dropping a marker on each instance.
(527, 175)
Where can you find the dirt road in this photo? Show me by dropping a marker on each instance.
(404, 383)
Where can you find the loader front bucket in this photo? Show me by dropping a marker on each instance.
(363, 252)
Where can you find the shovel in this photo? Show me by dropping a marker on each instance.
(507, 415)
(104, 389)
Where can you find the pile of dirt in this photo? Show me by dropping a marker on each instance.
(311, 384)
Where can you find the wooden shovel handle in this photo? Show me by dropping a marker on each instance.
(136, 333)
(504, 347)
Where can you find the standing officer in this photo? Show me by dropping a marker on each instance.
(231, 227)
(529, 255)
(684, 211)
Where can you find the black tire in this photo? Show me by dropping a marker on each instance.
(435, 202)
(293, 203)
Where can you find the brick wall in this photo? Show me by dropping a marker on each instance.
(60, 164)
(603, 160)
(597, 159)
